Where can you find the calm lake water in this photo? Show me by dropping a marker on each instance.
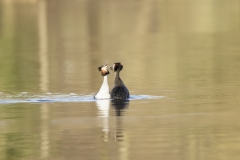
(181, 64)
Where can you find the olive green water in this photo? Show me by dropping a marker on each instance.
(186, 51)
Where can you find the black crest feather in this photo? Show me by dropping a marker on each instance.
(118, 66)
(99, 68)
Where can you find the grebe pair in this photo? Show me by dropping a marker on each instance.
(119, 90)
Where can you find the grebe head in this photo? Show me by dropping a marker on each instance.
(116, 67)
(103, 69)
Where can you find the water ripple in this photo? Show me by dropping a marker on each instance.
(25, 97)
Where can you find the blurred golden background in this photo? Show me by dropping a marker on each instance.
(56, 44)
(185, 50)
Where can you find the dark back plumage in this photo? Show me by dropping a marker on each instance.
(119, 90)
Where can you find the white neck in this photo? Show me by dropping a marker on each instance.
(104, 87)
(105, 80)
(104, 90)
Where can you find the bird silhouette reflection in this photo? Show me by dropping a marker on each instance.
(104, 121)
(119, 105)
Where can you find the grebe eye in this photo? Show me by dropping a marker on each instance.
(116, 68)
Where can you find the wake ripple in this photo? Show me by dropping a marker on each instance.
(25, 97)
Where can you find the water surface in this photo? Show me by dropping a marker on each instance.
(181, 64)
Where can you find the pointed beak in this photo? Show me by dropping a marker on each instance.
(105, 64)
(111, 67)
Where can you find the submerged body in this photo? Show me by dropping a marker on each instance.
(119, 90)
(103, 93)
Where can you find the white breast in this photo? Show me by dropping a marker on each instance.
(104, 90)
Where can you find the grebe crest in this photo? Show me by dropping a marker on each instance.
(103, 93)
(103, 69)
(119, 90)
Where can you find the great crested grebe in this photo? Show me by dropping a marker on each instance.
(103, 93)
(119, 90)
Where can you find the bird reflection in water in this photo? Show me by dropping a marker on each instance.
(104, 118)
(119, 105)
(103, 114)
